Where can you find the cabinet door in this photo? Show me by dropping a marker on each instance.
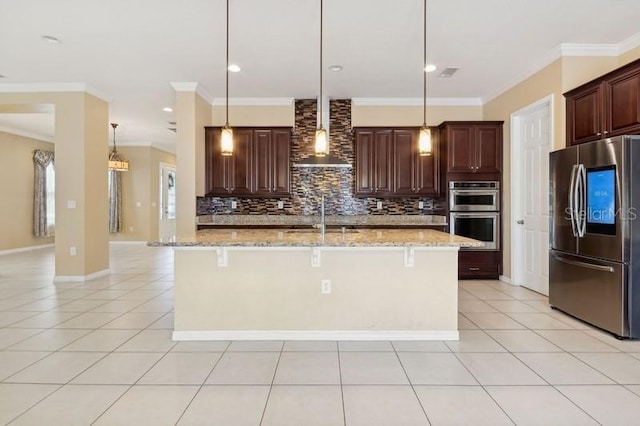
(427, 180)
(383, 162)
(404, 162)
(488, 149)
(584, 112)
(217, 167)
(365, 155)
(280, 148)
(622, 100)
(262, 162)
(461, 156)
(241, 160)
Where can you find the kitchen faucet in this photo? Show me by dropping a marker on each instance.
(323, 224)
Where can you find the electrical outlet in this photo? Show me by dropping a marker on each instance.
(138, 204)
(421, 204)
(71, 204)
(280, 205)
(379, 205)
(234, 204)
(72, 251)
(326, 286)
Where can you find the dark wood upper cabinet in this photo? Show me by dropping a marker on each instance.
(241, 160)
(473, 148)
(404, 161)
(259, 166)
(373, 165)
(605, 107)
(280, 157)
(388, 164)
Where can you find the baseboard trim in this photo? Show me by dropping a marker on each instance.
(199, 335)
(80, 278)
(23, 249)
(505, 279)
(128, 243)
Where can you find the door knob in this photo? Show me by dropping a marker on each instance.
(520, 222)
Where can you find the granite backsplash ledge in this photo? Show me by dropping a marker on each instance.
(309, 184)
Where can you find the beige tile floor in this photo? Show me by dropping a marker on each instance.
(101, 352)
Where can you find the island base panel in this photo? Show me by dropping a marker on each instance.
(269, 294)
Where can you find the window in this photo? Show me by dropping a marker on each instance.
(51, 196)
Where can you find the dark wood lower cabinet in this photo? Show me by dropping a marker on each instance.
(485, 264)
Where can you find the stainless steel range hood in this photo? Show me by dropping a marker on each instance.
(326, 161)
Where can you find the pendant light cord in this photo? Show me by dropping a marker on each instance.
(424, 72)
(227, 72)
(321, 102)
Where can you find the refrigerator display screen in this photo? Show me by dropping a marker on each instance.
(601, 200)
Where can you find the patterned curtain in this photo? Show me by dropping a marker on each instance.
(41, 228)
(115, 202)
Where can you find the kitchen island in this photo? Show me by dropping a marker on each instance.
(367, 284)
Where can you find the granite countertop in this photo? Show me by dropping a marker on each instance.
(331, 220)
(313, 238)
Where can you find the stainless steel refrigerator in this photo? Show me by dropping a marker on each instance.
(594, 256)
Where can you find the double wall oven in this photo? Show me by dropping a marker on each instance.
(474, 210)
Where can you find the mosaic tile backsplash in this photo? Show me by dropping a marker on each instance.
(309, 184)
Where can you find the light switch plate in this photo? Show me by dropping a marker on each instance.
(421, 204)
(379, 205)
(280, 205)
(234, 204)
(71, 204)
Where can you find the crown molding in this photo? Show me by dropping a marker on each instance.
(26, 134)
(190, 86)
(53, 88)
(145, 144)
(567, 50)
(575, 49)
(253, 101)
(416, 102)
(628, 44)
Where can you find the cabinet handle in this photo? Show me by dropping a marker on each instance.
(474, 269)
(599, 134)
(605, 132)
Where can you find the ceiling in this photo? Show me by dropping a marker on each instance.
(131, 51)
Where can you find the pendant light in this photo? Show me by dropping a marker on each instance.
(322, 143)
(116, 161)
(226, 138)
(424, 140)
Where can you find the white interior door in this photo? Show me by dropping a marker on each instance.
(167, 224)
(530, 226)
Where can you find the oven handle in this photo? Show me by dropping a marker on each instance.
(475, 214)
(475, 192)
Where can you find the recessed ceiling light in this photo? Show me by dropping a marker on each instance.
(167, 109)
(51, 39)
(429, 68)
(335, 68)
(234, 68)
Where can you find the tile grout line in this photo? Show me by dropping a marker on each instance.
(203, 382)
(344, 410)
(275, 371)
(410, 383)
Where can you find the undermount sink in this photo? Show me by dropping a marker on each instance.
(327, 231)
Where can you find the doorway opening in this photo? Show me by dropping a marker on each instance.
(167, 222)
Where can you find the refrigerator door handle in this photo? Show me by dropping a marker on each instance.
(582, 195)
(572, 207)
(583, 264)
